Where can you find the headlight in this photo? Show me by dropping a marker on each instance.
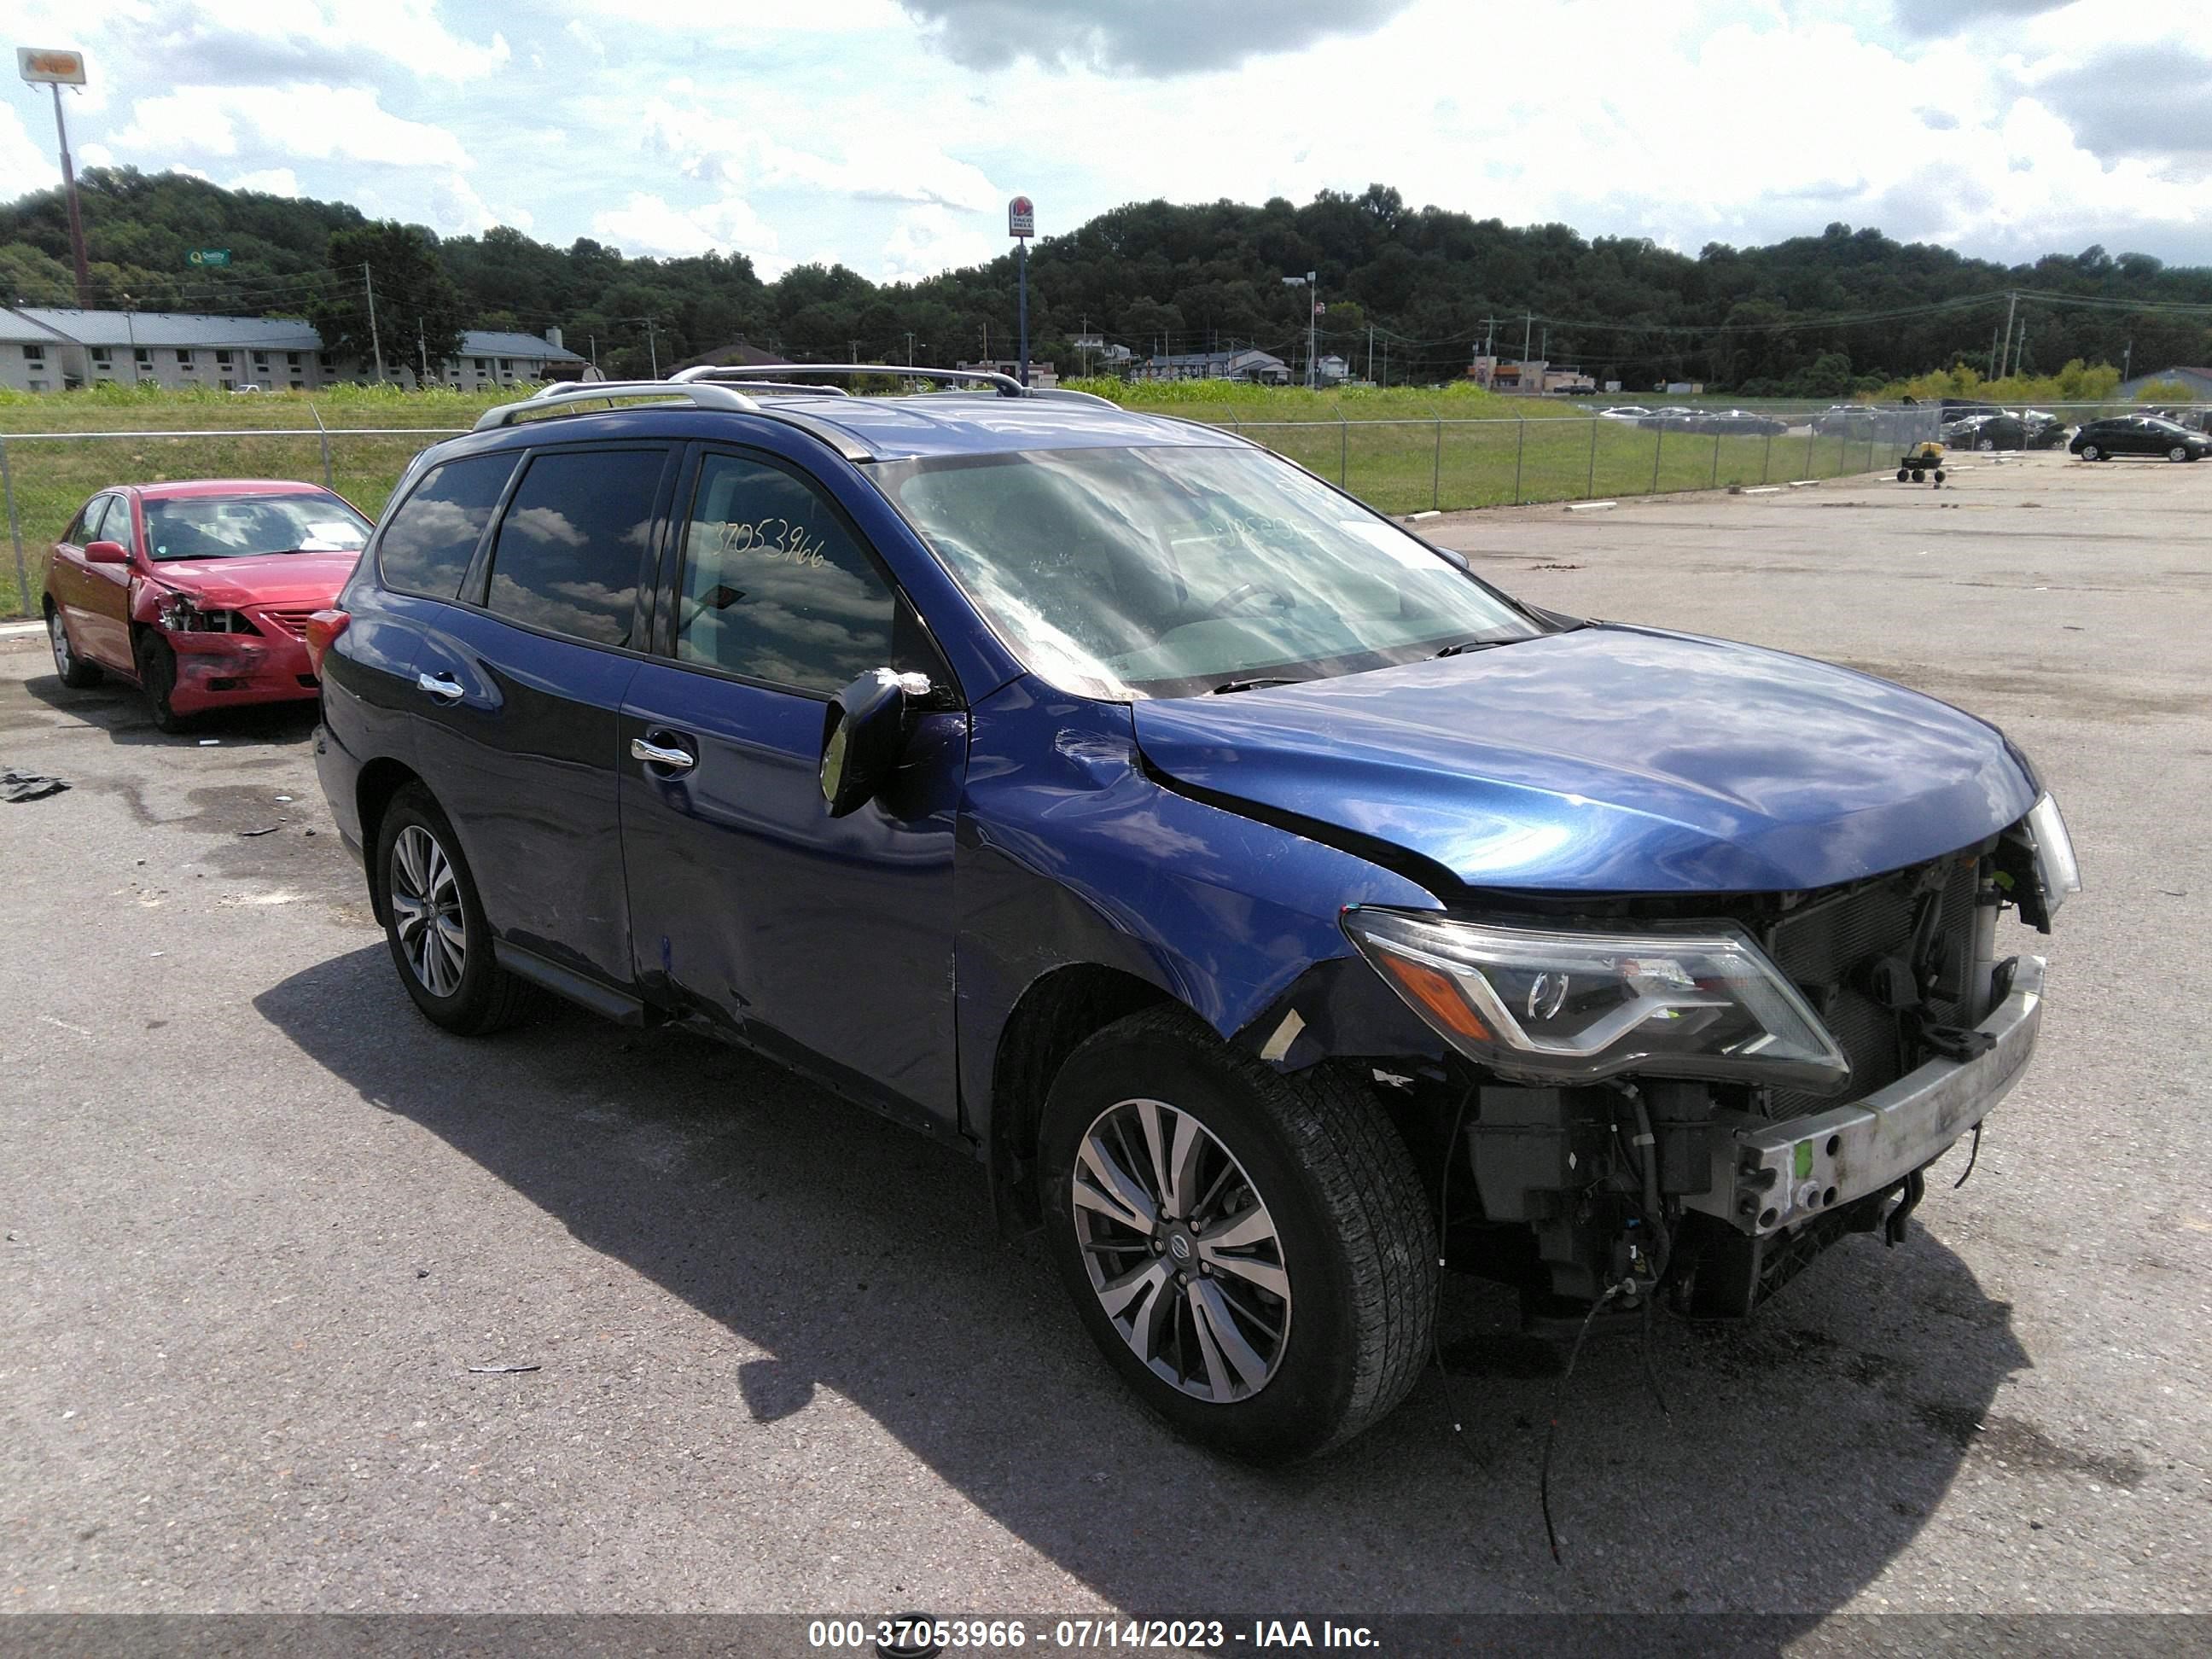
(2056, 871)
(180, 616)
(1703, 1001)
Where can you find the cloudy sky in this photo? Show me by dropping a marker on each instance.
(887, 134)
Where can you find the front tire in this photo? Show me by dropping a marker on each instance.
(1253, 1253)
(157, 676)
(2090, 452)
(76, 672)
(2179, 452)
(434, 922)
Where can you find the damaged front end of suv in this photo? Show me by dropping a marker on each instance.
(1648, 1093)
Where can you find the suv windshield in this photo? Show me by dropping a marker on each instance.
(236, 526)
(1162, 572)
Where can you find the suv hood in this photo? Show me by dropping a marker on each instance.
(286, 578)
(1608, 759)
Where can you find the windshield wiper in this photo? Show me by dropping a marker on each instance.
(1255, 685)
(1466, 646)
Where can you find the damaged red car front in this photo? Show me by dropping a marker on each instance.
(199, 593)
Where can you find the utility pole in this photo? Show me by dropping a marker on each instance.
(422, 356)
(652, 348)
(2012, 303)
(910, 348)
(1370, 354)
(1528, 328)
(2127, 356)
(592, 348)
(375, 341)
(1313, 325)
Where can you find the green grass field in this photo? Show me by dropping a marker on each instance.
(1402, 450)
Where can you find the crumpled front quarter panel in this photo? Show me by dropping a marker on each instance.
(1070, 853)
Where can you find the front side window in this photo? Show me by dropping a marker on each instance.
(426, 546)
(569, 551)
(86, 531)
(775, 587)
(1162, 572)
(244, 526)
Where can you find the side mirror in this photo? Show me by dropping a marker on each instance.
(864, 733)
(106, 553)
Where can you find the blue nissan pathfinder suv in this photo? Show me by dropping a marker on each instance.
(1276, 909)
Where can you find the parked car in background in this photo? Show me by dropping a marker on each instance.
(1740, 423)
(198, 594)
(1635, 412)
(2028, 430)
(2139, 435)
(1244, 883)
(1853, 420)
(1673, 415)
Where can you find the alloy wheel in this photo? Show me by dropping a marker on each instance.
(426, 911)
(57, 636)
(1181, 1250)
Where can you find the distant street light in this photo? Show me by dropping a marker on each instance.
(1311, 282)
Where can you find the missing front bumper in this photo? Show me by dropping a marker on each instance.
(1769, 1177)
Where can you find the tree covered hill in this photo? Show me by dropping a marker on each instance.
(1814, 315)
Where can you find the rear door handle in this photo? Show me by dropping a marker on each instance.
(653, 754)
(438, 685)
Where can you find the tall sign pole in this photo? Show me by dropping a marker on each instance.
(1021, 225)
(58, 68)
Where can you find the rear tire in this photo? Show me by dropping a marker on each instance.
(1310, 1241)
(76, 672)
(434, 922)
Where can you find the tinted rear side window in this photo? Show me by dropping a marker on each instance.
(566, 556)
(427, 547)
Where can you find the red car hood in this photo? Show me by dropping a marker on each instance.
(289, 579)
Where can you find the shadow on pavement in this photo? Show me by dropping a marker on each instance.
(119, 710)
(1805, 1450)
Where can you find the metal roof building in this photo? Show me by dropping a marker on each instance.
(50, 348)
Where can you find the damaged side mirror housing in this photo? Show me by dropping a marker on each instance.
(864, 734)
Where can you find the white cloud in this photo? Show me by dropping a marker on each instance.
(309, 121)
(889, 160)
(271, 181)
(580, 32)
(24, 164)
(647, 223)
(929, 238)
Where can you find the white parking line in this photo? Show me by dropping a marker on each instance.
(15, 630)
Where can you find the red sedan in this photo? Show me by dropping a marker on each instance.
(199, 593)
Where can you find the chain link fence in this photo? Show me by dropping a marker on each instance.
(1398, 464)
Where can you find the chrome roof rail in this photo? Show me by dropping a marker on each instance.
(584, 391)
(1005, 385)
(1070, 395)
(802, 388)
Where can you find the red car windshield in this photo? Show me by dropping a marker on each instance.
(239, 526)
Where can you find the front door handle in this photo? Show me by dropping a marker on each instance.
(653, 754)
(438, 685)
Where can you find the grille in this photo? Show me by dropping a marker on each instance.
(1828, 949)
(292, 621)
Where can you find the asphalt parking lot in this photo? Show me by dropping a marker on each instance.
(261, 1219)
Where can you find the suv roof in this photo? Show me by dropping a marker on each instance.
(1006, 417)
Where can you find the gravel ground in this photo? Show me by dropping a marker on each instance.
(261, 1220)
